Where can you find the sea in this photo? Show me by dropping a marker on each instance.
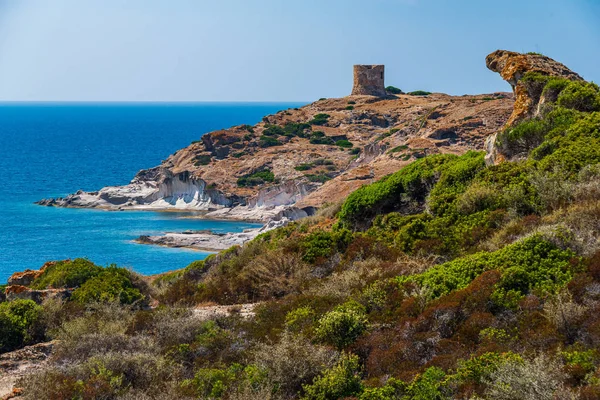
(53, 149)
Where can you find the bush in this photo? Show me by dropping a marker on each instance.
(273, 130)
(319, 119)
(342, 326)
(580, 96)
(319, 137)
(344, 143)
(419, 93)
(317, 178)
(339, 382)
(536, 379)
(304, 167)
(349, 108)
(522, 138)
(393, 90)
(257, 178)
(67, 274)
(410, 184)
(203, 159)
(532, 264)
(16, 321)
(293, 362)
(268, 141)
(321, 244)
(296, 129)
(111, 285)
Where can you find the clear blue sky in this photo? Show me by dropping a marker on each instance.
(274, 50)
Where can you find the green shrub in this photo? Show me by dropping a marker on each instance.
(203, 159)
(300, 319)
(349, 108)
(304, 167)
(215, 383)
(268, 141)
(342, 326)
(351, 102)
(321, 244)
(16, 321)
(257, 178)
(273, 130)
(321, 178)
(248, 128)
(530, 265)
(323, 161)
(393, 90)
(113, 284)
(580, 96)
(296, 129)
(67, 274)
(419, 93)
(319, 119)
(398, 148)
(410, 184)
(319, 137)
(339, 382)
(523, 137)
(355, 151)
(344, 143)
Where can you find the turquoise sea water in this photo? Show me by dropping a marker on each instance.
(49, 150)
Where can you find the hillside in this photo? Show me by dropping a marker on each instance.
(302, 158)
(458, 276)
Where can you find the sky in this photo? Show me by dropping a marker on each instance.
(276, 50)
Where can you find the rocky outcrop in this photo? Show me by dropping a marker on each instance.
(156, 188)
(27, 277)
(529, 96)
(512, 67)
(19, 292)
(19, 363)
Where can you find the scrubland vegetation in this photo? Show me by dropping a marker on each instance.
(448, 279)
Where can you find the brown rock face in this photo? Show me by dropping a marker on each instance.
(17, 292)
(26, 277)
(513, 66)
(369, 80)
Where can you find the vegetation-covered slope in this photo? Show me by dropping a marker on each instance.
(448, 279)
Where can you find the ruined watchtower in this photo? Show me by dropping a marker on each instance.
(368, 80)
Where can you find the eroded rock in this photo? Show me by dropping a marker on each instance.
(513, 66)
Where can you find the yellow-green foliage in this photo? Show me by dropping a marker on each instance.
(16, 321)
(67, 274)
(532, 264)
(111, 285)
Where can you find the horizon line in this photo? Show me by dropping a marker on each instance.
(152, 101)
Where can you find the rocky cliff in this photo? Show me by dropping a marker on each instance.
(299, 159)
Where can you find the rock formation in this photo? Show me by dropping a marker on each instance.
(512, 67)
(369, 80)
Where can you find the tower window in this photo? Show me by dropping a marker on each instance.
(382, 75)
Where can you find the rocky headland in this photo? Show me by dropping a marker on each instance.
(299, 159)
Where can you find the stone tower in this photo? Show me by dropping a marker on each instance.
(368, 80)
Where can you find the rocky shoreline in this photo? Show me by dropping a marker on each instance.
(206, 240)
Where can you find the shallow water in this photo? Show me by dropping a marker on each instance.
(49, 150)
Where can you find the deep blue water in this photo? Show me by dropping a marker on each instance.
(49, 150)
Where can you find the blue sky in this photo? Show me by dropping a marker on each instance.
(276, 50)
